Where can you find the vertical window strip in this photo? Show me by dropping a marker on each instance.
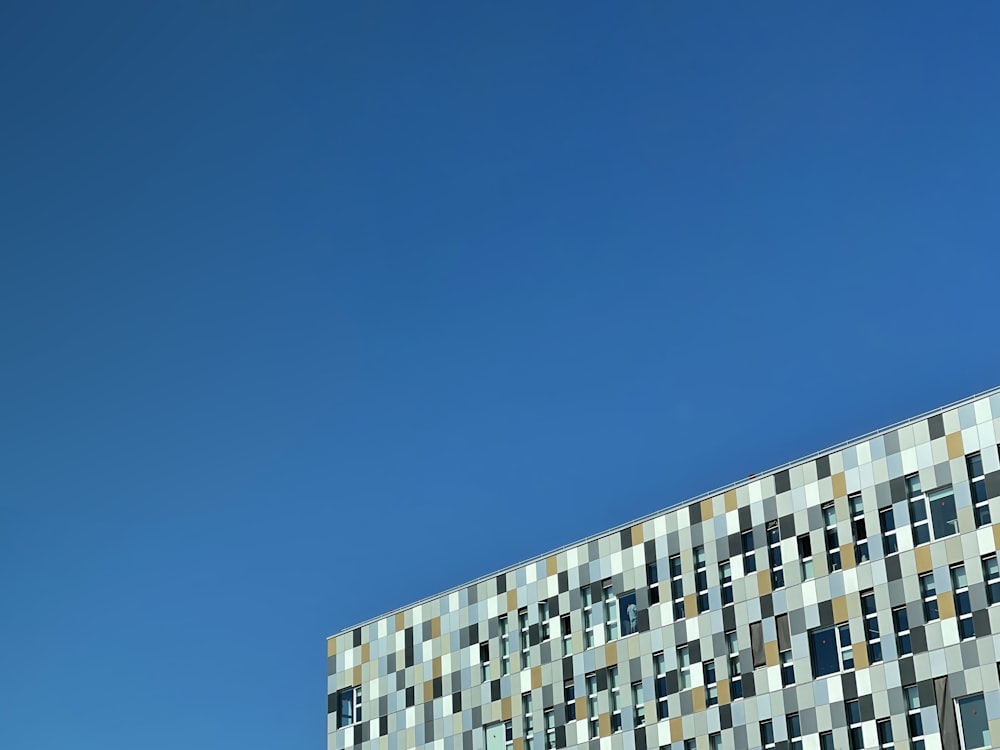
(917, 503)
(977, 486)
(887, 523)
(774, 555)
(832, 537)
(963, 603)
(858, 528)
(677, 586)
(901, 624)
(870, 612)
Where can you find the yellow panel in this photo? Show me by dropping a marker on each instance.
(436, 666)
(676, 729)
(730, 500)
(860, 655)
(698, 698)
(536, 678)
(428, 692)
(771, 653)
(581, 706)
(839, 609)
(611, 654)
(706, 509)
(922, 557)
(331, 644)
(551, 568)
(512, 600)
(436, 627)
(946, 605)
(604, 725)
(955, 447)
(518, 743)
(356, 675)
(839, 484)
(637, 537)
(505, 708)
(690, 605)
(723, 692)
(847, 556)
(366, 651)
(763, 582)
(400, 621)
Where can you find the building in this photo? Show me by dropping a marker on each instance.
(845, 600)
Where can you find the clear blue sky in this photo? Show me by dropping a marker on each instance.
(308, 312)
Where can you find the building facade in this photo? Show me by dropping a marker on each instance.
(843, 601)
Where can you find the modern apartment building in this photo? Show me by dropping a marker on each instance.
(846, 600)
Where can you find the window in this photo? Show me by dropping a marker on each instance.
(870, 613)
(757, 645)
(543, 620)
(484, 660)
(616, 701)
(963, 604)
(975, 724)
(638, 707)
(660, 667)
(794, 732)
(522, 624)
(690, 745)
(592, 715)
(767, 735)
(806, 557)
(504, 646)
(677, 586)
(735, 676)
(914, 722)
(550, 728)
(977, 485)
(854, 732)
(529, 721)
(749, 559)
(830, 649)
(774, 555)
(652, 578)
(726, 581)
(901, 624)
(684, 668)
(991, 574)
(884, 731)
(887, 522)
(569, 698)
(858, 528)
(944, 516)
(715, 741)
(826, 741)
(348, 707)
(787, 668)
(567, 635)
(711, 688)
(701, 578)
(629, 613)
(917, 502)
(588, 618)
(610, 613)
(508, 735)
(929, 593)
(832, 538)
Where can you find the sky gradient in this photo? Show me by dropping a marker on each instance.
(311, 311)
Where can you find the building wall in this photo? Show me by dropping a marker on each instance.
(420, 671)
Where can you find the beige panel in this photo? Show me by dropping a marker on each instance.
(730, 500)
(676, 729)
(839, 484)
(763, 582)
(860, 655)
(436, 666)
(366, 651)
(996, 535)
(356, 676)
(400, 621)
(839, 609)
(955, 447)
(922, 557)
(698, 698)
(690, 605)
(551, 566)
(331, 643)
(428, 692)
(706, 509)
(847, 555)
(604, 724)
(505, 709)
(611, 654)
(512, 600)
(723, 692)
(536, 678)
(581, 706)
(771, 653)
(436, 627)
(946, 605)
(637, 537)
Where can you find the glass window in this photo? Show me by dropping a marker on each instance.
(963, 603)
(794, 732)
(749, 560)
(767, 734)
(715, 741)
(887, 522)
(805, 556)
(569, 698)
(943, 513)
(917, 503)
(629, 613)
(830, 650)
(901, 624)
(726, 581)
(975, 724)
(991, 575)
(929, 593)
(684, 667)
(977, 485)
(660, 667)
(826, 741)
(638, 707)
(610, 613)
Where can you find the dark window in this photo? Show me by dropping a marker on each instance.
(943, 513)
(824, 652)
(975, 724)
(757, 644)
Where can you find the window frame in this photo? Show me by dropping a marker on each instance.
(859, 529)
(977, 488)
(890, 545)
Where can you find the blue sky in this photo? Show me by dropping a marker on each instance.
(308, 312)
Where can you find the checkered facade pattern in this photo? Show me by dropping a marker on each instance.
(843, 601)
